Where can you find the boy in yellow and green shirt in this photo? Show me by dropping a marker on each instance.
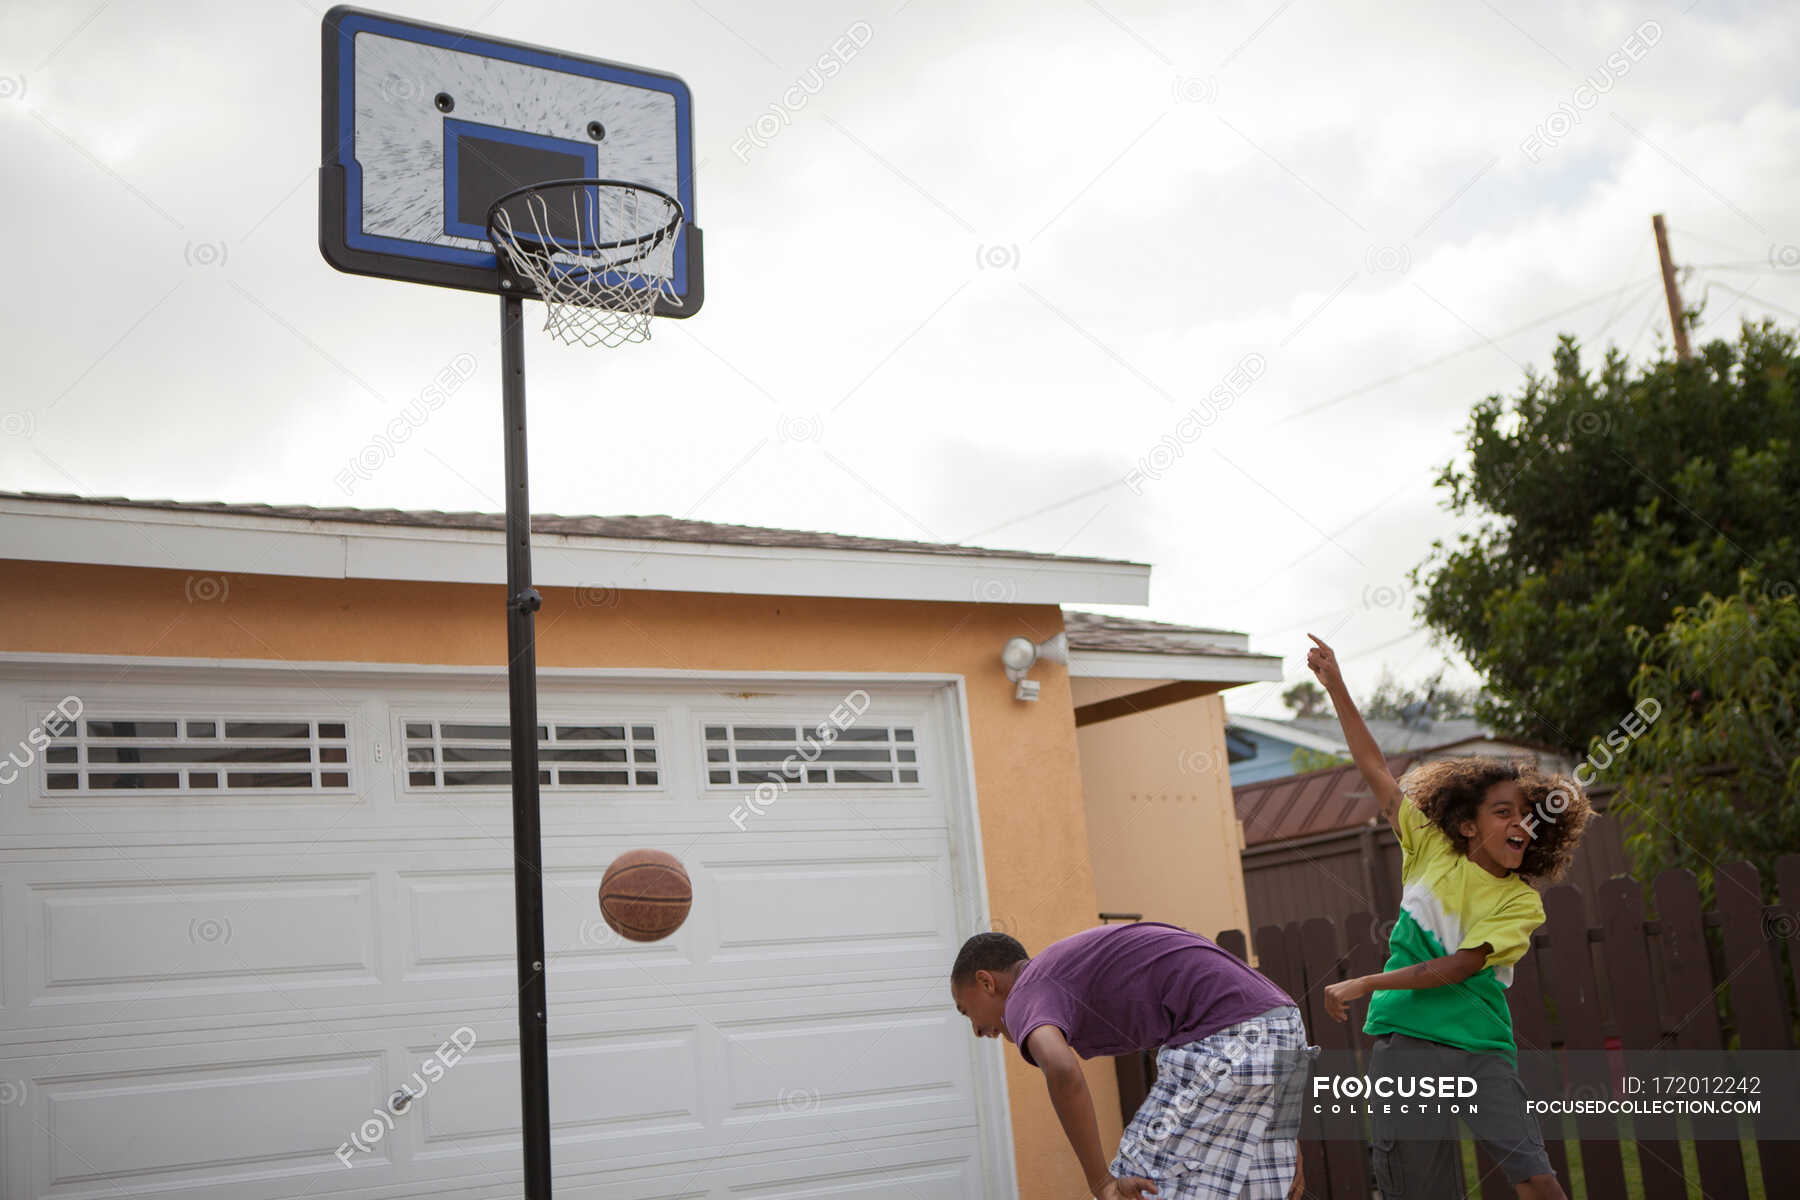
(1449, 903)
(1472, 832)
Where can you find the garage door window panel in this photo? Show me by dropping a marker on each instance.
(111, 753)
(799, 756)
(444, 755)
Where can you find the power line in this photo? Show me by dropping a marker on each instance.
(1706, 287)
(1759, 299)
(1656, 306)
(1301, 624)
(1688, 233)
(1411, 633)
(1619, 311)
(1751, 264)
(1444, 358)
(1330, 538)
(1631, 269)
(1093, 491)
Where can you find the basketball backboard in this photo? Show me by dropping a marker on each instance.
(425, 127)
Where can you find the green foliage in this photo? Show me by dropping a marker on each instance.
(1391, 698)
(1307, 699)
(1717, 775)
(1305, 759)
(1595, 503)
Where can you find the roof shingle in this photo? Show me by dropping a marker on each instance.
(1134, 635)
(654, 527)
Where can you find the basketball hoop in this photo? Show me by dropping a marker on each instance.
(431, 136)
(600, 254)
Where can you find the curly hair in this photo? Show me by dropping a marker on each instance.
(1449, 791)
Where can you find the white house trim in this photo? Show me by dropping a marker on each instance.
(146, 669)
(46, 531)
(972, 907)
(1217, 668)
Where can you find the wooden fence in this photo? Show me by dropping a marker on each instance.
(1599, 976)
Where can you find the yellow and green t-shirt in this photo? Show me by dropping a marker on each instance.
(1448, 903)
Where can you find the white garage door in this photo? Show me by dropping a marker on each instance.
(243, 913)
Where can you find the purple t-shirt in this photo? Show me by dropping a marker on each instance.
(1120, 989)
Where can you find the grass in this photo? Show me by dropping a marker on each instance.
(1576, 1183)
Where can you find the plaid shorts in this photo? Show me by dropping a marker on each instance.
(1220, 1123)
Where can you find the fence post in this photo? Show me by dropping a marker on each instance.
(1345, 1161)
(1787, 879)
(1531, 1030)
(1578, 1012)
(1271, 953)
(1640, 1029)
(1367, 956)
(1756, 992)
(1281, 963)
(1694, 1003)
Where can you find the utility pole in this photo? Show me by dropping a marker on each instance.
(1677, 320)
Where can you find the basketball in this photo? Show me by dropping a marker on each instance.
(645, 895)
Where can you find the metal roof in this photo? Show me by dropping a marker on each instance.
(1316, 802)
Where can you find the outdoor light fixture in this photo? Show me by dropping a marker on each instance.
(1020, 654)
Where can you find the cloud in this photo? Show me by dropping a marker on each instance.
(995, 259)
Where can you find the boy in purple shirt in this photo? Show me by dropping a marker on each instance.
(1222, 1118)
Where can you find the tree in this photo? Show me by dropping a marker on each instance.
(1716, 776)
(1597, 503)
(1305, 758)
(1307, 699)
(1395, 701)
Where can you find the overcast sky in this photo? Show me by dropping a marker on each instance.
(959, 295)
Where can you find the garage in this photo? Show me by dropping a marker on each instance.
(257, 930)
(256, 900)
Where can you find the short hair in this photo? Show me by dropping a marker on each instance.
(1450, 791)
(987, 952)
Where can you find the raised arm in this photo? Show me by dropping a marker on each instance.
(1367, 755)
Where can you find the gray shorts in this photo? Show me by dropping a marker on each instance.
(1420, 1155)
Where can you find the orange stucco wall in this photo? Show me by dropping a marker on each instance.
(1163, 833)
(1028, 777)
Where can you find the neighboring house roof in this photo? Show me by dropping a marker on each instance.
(1333, 798)
(1324, 733)
(1316, 802)
(1394, 737)
(1133, 648)
(628, 552)
(1285, 731)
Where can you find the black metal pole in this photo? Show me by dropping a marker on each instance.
(522, 601)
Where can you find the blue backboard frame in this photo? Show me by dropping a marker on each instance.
(342, 239)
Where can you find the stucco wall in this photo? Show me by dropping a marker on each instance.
(1034, 834)
(1162, 827)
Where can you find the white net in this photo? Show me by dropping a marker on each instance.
(600, 256)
